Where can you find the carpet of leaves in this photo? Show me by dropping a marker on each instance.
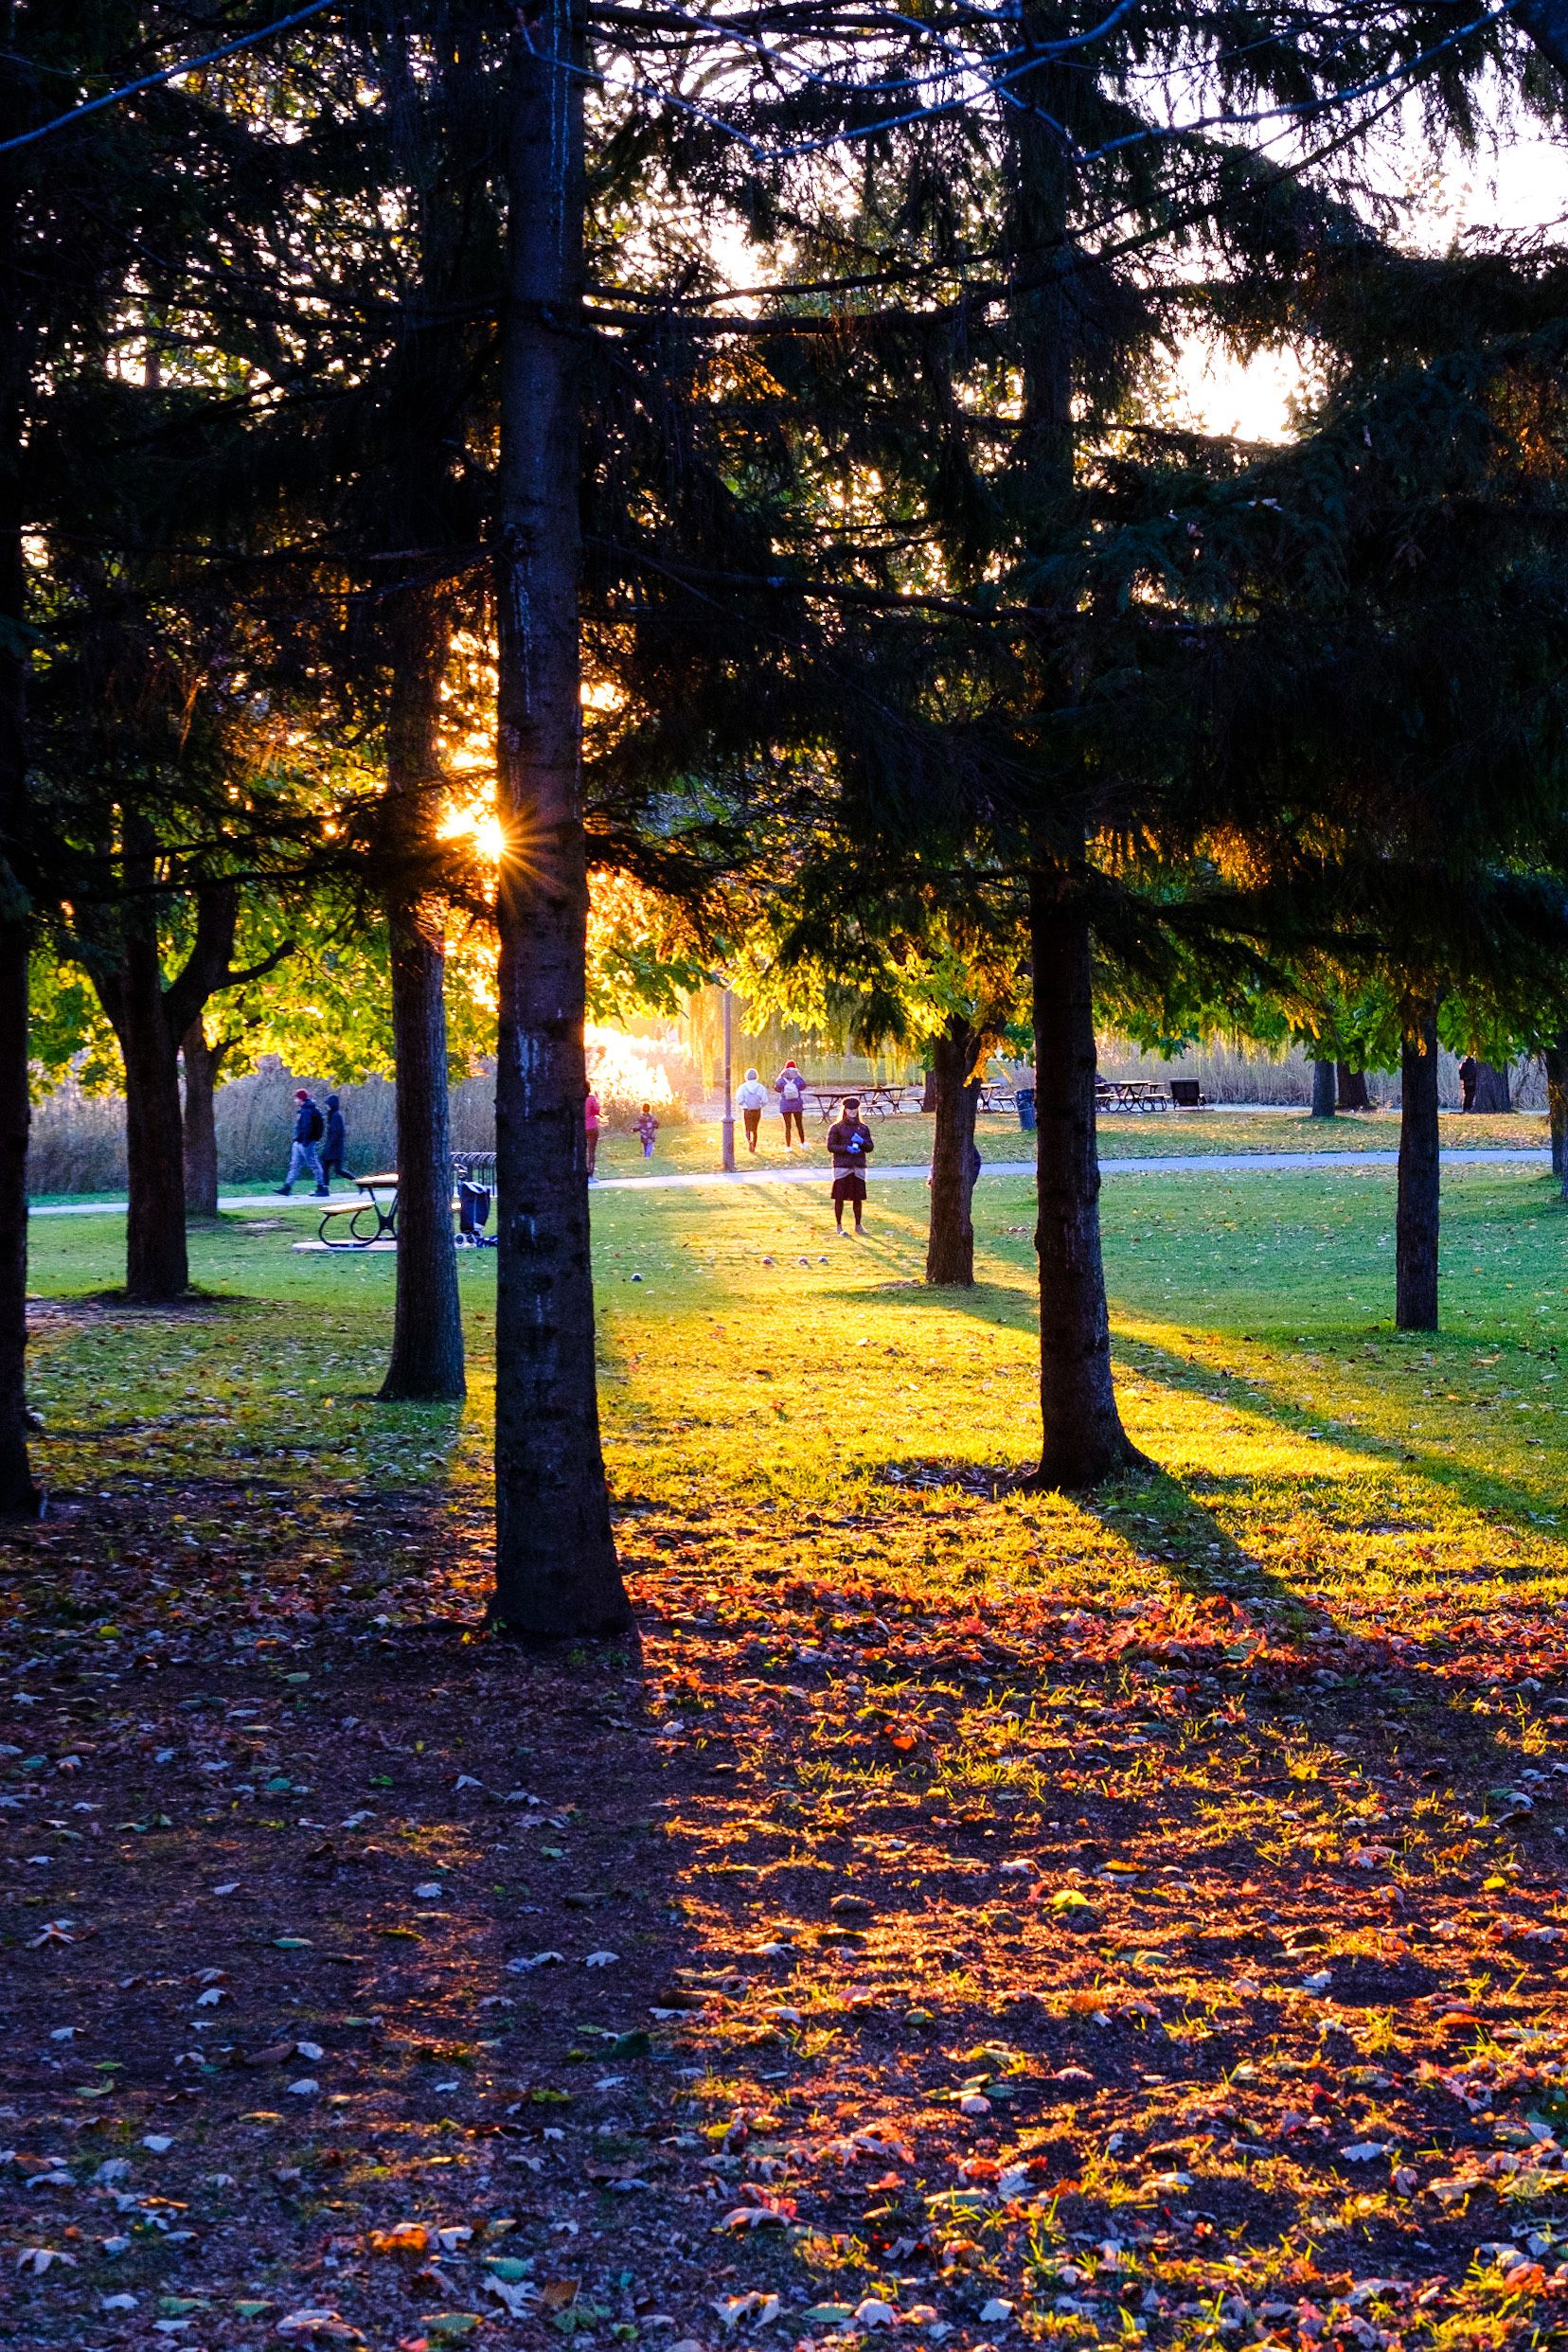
(884, 1943)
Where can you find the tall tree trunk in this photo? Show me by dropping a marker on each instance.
(556, 1570)
(1492, 1091)
(1555, 1061)
(1084, 1440)
(427, 1324)
(19, 1496)
(949, 1247)
(1416, 1227)
(199, 1125)
(156, 1265)
(1323, 1090)
(170, 1154)
(1352, 1088)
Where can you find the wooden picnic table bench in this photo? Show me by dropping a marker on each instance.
(995, 1095)
(880, 1101)
(374, 1217)
(368, 1219)
(1129, 1094)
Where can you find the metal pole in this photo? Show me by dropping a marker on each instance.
(728, 1129)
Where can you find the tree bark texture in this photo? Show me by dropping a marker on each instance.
(556, 1570)
(1555, 1061)
(1084, 1441)
(1323, 1090)
(200, 1127)
(157, 1267)
(1416, 1225)
(949, 1246)
(1352, 1088)
(19, 1495)
(1082, 1438)
(1493, 1092)
(151, 1021)
(427, 1325)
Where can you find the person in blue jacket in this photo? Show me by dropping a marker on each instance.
(304, 1158)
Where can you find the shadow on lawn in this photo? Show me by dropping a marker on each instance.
(168, 1444)
(1480, 1489)
(1388, 1706)
(1010, 1308)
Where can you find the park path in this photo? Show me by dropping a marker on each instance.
(1152, 1163)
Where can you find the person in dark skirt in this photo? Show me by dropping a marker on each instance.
(849, 1141)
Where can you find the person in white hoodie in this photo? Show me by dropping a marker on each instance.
(753, 1097)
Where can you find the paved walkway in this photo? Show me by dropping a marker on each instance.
(1153, 1164)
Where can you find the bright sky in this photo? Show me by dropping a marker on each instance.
(1516, 179)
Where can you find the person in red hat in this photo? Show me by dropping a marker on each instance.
(305, 1159)
(790, 1086)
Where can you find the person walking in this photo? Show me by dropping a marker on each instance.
(1469, 1075)
(791, 1089)
(647, 1127)
(304, 1158)
(753, 1097)
(849, 1141)
(334, 1143)
(592, 1121)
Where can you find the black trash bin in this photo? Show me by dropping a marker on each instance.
(474, 1208)
(1025, 1098)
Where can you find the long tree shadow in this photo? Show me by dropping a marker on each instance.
(1480, 1489)
(1404, 1703)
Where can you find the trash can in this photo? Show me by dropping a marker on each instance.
(1025, 1098)
(474, 1208)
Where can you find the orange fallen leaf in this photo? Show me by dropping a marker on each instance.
(404, 2238)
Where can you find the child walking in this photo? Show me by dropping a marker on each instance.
(647, 1127)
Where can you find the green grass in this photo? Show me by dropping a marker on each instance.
(1267, 1298)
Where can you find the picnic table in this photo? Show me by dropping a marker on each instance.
(1129, 1094)
(374, 1217)
(995, 1095)
(880, 1101)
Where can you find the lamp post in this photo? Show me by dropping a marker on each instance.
(727, 1129)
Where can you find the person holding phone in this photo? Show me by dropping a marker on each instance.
(849, 1141)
